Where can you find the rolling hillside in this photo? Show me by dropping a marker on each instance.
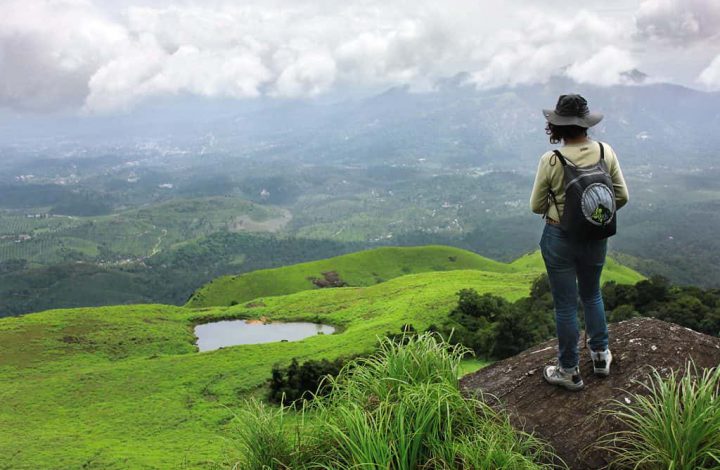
(363, 268)
(366, 268)
(123, 387)
(612, 270)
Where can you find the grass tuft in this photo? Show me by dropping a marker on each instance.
(676, 425)
(273, 438)
(399, 409)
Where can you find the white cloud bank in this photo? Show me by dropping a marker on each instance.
(76, 54)
(679, 21)
(710, 76)
(587, 46)
(603, 68)
(48, 51)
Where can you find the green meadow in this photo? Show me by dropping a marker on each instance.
(124, 386)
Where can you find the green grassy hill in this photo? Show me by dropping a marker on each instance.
(363, 268)
(612, 270)
(123, 387)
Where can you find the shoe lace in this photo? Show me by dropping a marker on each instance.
(561, 373)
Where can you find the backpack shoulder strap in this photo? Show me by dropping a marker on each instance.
(560, 157)
(551, 193)
(602, 150)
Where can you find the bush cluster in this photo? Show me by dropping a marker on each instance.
(298, 381)
(689, 306)
(492, 327)
(495, 328)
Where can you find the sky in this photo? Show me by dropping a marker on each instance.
(108, 56)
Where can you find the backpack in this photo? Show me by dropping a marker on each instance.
(590, 212)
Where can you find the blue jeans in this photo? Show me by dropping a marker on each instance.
(574, 267)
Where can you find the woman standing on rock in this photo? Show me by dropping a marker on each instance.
(578, 189)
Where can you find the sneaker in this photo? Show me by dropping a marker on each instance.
(601, 362)
(568, 378)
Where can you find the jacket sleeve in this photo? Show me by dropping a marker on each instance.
(539, 197)
(619, 185)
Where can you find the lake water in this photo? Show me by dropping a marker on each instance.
(225, 333)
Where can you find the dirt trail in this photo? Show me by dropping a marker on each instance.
(156, 249)
(245, 223)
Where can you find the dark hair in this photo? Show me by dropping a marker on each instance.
(558, 133)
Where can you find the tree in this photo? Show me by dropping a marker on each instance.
(615, 294)
(474, 305)
(524, 324)
(650, 291)
(621, 313)
(540, 287)
(301, 381)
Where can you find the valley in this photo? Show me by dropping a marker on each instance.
(143, 254)
(135, 217)
(124, 386)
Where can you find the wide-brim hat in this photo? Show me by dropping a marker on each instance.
(572, 110)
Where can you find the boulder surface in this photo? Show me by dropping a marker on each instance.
(570, 421)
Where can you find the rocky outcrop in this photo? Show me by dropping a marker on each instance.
(569, 420)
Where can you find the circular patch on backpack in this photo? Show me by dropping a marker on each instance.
(598, 204)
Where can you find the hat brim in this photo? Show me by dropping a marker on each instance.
(586, 121)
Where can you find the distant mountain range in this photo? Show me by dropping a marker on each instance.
(456, 124)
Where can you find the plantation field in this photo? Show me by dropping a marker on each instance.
(123, 386)
(130, 234)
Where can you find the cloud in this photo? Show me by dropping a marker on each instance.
(710, 76)
(412, 49)
(604, 68)
(678, 21)
(306, 74)
(146, 69)
(102, 56)
(547, 44)
(281, 49)
(48, 50)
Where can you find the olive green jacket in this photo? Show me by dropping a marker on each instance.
(550, 176)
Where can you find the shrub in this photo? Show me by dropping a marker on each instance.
(689, 306)
(493, 327)
(615, 294)
(540, 287)
(674, 426)
(686, 310)
(407, 331)
(621, 313)
(653, 290)
(472, 320)
(301, 381)
(525, 324)
(473, 305)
